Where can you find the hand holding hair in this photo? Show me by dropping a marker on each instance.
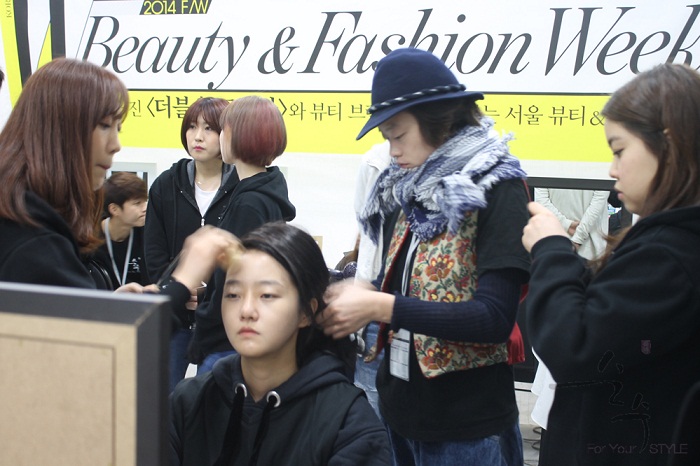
(543, 223)
(203, 251)
(351, 306)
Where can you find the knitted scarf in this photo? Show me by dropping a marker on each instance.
(451, 182)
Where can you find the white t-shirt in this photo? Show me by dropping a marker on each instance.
(203, 199)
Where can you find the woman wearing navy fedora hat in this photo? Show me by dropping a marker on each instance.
(453, 206)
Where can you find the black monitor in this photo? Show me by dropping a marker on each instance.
(83, 376)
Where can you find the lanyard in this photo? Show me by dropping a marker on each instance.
(111, 252)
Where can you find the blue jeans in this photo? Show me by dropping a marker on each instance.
(366, 373)
(497, 450)
(179, 341)
(209, 361)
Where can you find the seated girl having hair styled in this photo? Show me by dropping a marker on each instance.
(285, 398)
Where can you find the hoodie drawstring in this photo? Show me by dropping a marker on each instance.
(273, 401)
(232, 438)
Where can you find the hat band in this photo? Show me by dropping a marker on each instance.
(417, 95)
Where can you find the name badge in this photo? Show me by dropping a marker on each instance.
(400, 347)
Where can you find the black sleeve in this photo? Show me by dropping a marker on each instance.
(145, 278)
(573, 323)
(156, 251)
(500, 229)
(362, 439)
(488, 317)
(179, 294)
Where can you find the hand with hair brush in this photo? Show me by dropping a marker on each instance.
(204, 250)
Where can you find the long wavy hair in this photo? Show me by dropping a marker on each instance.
(45, 146)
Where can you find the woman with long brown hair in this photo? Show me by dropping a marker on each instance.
(621, 339)
(55, 150)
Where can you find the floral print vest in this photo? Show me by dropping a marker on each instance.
(444, 270)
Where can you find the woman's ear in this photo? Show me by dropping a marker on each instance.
(304, 321)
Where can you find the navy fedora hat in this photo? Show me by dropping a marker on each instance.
(408, 77)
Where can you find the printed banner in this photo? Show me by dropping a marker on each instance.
(546, 66)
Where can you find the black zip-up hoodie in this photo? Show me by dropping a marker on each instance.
(173, 214)
(316, 417)
(259, 199)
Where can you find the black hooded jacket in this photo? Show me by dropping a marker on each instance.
(173, 213)
(622, 345)
(35, 254)
(316, 417)
(49, 255)
(259, 199)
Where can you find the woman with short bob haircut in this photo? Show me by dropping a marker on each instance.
(209, 109)
(260, 140)
(621, 337)
(193, 192)
(253, 135)
(285, 397)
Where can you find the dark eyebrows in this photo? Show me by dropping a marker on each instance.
(233, 281)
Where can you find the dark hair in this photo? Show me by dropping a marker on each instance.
(45, 146)
(122, 187)
(209, 108)
(442, 119)
(662, 107)
(257, 131)
(299, 254)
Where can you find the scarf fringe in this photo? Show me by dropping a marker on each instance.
(453, 180)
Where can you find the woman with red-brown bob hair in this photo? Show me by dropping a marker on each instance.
(253, 135)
